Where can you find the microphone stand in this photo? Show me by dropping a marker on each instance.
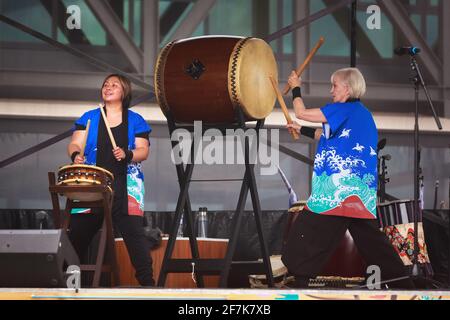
(418, 81)
(436, 188)
(382, 180)
(381, 169)
(448, 256)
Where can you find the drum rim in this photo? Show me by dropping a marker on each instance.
(80, 180)
(299, 202)
(158, 76)
(233, 73)
(212, 36)
(87, 166)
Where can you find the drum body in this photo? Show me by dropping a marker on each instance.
(344, 262)
(208, 78)
(84, 175)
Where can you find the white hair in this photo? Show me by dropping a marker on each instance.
(354, 79)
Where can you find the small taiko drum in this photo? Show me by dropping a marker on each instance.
(84, 175)
(211, 78)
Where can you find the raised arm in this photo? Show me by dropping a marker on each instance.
(311, 115)
(75, 146)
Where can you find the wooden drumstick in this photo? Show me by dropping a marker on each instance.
(83, 145)
(292, 131)
(113, 142)
(300, 70)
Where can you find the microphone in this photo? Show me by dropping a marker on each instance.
(381, 144)
(412, 51)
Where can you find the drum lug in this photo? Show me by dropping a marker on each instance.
(75, 176)
(195, 69)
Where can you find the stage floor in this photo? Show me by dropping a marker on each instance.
(216, 294)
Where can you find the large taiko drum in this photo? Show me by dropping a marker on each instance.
(84, 175)
(345, 262)
(209, 78)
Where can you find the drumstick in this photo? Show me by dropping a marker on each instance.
(83, 145)
(292, 131)
(113, 142)
(300, 70)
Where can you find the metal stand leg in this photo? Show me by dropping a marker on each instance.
(183, 207)
(220, 266)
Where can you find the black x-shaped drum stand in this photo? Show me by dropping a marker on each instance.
(214, 266)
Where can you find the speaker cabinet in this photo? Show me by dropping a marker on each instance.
(35, 258)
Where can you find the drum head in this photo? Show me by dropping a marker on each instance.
(251, 64)
(85, 167)
(84, 175)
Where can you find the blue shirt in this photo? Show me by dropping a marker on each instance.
(344, 181)
(135, 177)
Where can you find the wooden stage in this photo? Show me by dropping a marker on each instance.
(182, 287)
(216, 294)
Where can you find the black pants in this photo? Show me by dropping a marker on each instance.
(313, 238)
(83, 228)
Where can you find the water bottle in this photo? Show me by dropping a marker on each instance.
(180, 227)
(202, 227)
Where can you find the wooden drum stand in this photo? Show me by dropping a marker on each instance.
(106, 256)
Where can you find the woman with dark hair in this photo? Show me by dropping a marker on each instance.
(131, 133)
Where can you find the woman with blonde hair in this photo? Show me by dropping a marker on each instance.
(344, 184)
